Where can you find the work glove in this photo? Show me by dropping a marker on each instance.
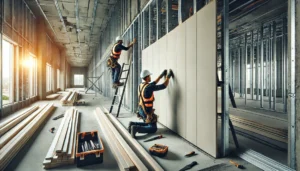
(171, 74)
(164, 73)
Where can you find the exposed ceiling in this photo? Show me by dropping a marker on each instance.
(83, 22)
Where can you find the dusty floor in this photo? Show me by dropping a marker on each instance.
(33, 154)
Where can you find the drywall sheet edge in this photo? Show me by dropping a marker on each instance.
(206, 79)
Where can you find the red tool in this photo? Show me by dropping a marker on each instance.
(154, 138)
(190, 154)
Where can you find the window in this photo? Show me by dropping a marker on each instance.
(58, 74)
(32, 64)
(78, 80)
(48, 77)
(7, 72)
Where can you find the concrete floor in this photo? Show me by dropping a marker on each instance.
(34, 152)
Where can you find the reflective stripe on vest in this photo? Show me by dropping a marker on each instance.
(115, 54)
(148, 101)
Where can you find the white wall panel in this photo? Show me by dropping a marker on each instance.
(156, 72)
(162, 45)
(172, 38)
(180, 82)
(206, 79)
(191, 75)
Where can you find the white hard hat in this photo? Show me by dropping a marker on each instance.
(119, 38)
(145, 73)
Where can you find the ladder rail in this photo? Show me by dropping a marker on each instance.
(123, 92)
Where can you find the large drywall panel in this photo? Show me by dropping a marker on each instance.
(180, 82)
(191, 75)
(206, 79)
(162, 45)
(172, 38)
(156, 72)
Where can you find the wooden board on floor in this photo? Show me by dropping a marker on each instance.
(52, 96)
(60, 142)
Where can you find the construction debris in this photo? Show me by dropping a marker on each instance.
(70, 98)
(15, 138)
(62, 149)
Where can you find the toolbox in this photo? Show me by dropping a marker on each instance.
(89, 148)
(159, 150)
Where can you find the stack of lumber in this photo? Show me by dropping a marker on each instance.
(17, 136)
(62, 150)
(52, 96)
(126, 158)
(259, 128)
(70, 98)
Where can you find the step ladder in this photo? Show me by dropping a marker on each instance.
(126, 73)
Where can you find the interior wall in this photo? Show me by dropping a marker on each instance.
(80, 71)
(188, 105)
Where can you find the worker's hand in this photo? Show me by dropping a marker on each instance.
(164, 73)
(134, 41)
(171, 74)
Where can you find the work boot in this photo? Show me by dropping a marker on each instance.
(129, 126)
(119, 84)
(134, 130)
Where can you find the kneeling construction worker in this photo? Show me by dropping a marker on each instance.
(113, 60)
(146, 99)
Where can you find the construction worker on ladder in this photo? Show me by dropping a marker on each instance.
(113, 60)
(146, 99)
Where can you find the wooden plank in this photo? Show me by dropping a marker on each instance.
(191, 75)
(10, 149)
(51, 150)
(206, 79)
(52, 96)
(72, 134)
(14, 122)
(120, 149)
(6, 121)
(137, 162)
(112, 144)
(60, 142)
(134, 144)
(15, 130)
(67, 140)
(75, 137)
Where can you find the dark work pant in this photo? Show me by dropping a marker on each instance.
(115, 72)
(145, 128)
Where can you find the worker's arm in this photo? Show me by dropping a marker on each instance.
(164, 73)
(131, 44)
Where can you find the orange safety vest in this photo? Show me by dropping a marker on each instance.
(114, 54)
(147, 101)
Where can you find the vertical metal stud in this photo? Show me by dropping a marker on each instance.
(274, 65)
(1, 36)
(292, 128)
(225, 78)
(240, 71)
(180, 4)
(158, 20)
(270, 68)
(195, 6)
(256, 67)
(284, 56)
(168, 14)
(150, 22)
(251, 66)
(245, 57)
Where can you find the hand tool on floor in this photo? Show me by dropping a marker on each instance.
(154, 138)
(236, 164)
(190, 154)
(189, 166)
(59, 116)
(52, 130)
